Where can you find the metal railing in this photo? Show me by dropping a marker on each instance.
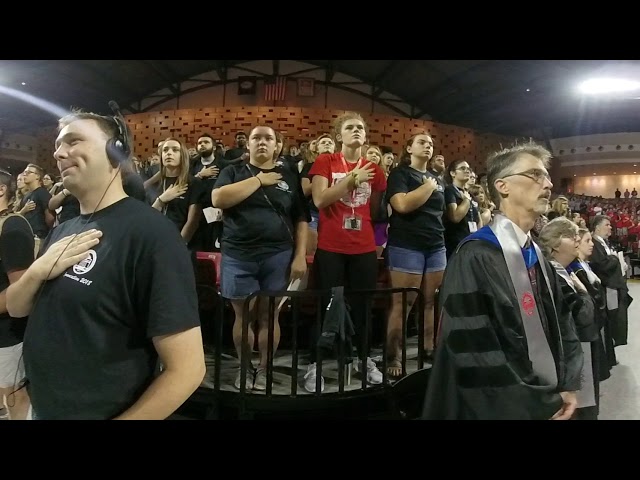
(246, 402)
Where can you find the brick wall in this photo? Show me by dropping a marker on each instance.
(296, 124)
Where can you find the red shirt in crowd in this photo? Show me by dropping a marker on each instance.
(332, 236)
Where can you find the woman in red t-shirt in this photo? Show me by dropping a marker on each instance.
(345, 188)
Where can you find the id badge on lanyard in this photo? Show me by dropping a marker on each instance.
(351, 221)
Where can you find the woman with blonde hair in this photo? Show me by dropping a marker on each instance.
(482, 204)
(559, 208)
(381, 220)
(373, 154)
(388, 163)
(21, 191)
(602, 350)
(347, 189)
(179, 193)
(323, 144)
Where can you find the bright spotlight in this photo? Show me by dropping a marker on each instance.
(598, 86)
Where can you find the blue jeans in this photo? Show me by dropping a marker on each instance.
(241, 278)
(417, 262)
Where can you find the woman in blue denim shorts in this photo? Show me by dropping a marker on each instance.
(416, 255)
(263, 241)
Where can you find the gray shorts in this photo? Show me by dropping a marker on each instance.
(11, 366)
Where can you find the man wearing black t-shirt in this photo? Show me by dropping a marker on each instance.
(35, 205)
(111, 296)
(16, 254)
(240, 153)
(436, 166)
(207, 166)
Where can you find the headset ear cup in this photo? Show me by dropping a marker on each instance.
(114, 154)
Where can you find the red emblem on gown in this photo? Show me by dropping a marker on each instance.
(528, 303)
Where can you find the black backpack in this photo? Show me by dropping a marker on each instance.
(337, 325)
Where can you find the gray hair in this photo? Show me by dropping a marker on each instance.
(552, 233)
(597, 220)
(501, 163)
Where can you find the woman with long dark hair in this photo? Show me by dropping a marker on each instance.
(416, 254)
(462, 217)
(264, 239)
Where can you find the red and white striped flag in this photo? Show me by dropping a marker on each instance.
(275, 88)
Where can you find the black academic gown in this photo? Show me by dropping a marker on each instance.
(583, 312)
(603, 349)
(481, 368)
(607, 268)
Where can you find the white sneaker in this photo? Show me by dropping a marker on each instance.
(260, 380)
(310, 379)
(374, 376)
(248, 382)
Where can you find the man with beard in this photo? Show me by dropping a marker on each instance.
(436, 166)
(507, 346)
(207, 166)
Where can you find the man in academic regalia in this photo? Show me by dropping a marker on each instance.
(507, 345)
(608, 265)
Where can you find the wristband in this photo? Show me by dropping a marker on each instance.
(356, 180)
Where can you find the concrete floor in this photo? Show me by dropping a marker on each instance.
(620, 394)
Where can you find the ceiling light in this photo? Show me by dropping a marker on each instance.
(594, 173)
(635, 165)
(528, 89)
(608, 85)
(23, 83)
(574, 175)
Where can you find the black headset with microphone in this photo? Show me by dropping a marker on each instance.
(118, 151)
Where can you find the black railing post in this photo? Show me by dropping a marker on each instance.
(295, 306)
(421, 327)
(218, 332)
(403, 335)
(318, 327)
(270, 338)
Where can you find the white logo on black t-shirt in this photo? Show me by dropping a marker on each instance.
(85, 265)
(282, 185)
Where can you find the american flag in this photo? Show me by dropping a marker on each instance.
(275, 88)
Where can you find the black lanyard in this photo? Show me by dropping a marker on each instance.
(271, 204)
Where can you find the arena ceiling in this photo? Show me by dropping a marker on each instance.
(514, 97)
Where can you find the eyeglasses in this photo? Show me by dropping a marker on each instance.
(463, 169)
(535, 174)
(28, 172)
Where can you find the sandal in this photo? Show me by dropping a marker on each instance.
(394, 368)
(428, 356)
